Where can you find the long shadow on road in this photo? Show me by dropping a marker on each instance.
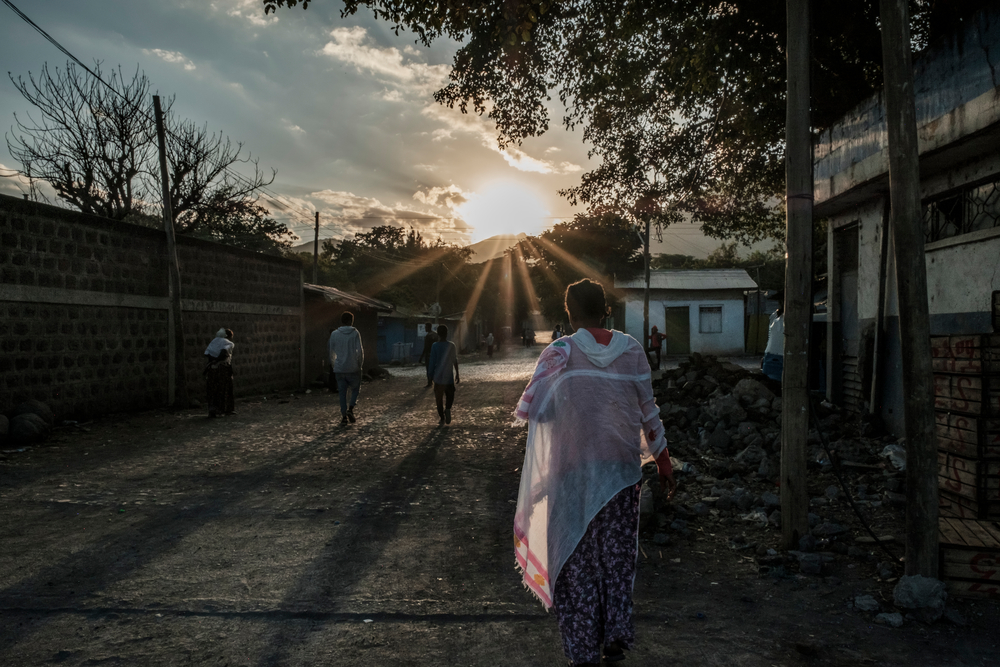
(113, 557)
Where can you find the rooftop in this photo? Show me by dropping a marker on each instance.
(346, 298)
(702, 279)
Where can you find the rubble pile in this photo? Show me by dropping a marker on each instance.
(723, 426)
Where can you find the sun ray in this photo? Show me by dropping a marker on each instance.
(529, 288)
(396, 272)
(584, 268)
(477, 290)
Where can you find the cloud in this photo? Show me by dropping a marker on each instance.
(449, 197)
(249, 10)
(171, 57)
(292, 127)
(483, 130)
(352, 46)
(408, 78)
(349, 213)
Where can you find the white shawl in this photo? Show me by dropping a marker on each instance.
(588, 408)
(218, 344)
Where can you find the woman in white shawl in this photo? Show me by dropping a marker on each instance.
(219, 374)
(591, 418)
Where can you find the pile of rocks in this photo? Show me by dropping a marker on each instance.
(723, 426)
(29, 423)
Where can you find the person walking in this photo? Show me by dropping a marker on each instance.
(444, 360)
(576, 525)
(557, 333)
(489, 346)
(425, 356)
(655, 345)
(773, 362)
(347, 357)
(219, 374)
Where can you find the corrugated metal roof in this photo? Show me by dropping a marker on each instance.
(346, 298)
(701, 279)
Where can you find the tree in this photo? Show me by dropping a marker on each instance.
(397, 265)
(683, 101)
(204, 189)
(95, 144)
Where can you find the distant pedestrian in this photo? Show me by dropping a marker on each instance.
(444, 365)
(425, 357)
(347, 357)
(219, 374)
(774, 354)
(655, 346)
(531, 338)
(489, 345)
(557, 333)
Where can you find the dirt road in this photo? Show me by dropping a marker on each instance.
(279, 537)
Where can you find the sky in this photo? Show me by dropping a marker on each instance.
(342, 108)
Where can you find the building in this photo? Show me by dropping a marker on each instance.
(698, 311)
(958, 124)
(323, 308)
(401, 334)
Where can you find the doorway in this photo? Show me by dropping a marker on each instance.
(677, 329)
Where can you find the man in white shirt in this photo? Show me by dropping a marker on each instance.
(347, 358)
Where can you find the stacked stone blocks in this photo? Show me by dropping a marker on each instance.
(84, 320)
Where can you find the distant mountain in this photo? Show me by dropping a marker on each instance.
(493, 247)
(307, 247)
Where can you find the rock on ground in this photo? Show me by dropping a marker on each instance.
(926, 596)
(28, 428)
(32, 406)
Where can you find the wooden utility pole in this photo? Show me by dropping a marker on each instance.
(798, 280)
(911, 286)
(316, 252)
(645, 292)
(177, 394)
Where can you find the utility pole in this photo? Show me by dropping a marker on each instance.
(177, 392)
(645, 293)
(316, 252)
(798, 280)
(911, 285)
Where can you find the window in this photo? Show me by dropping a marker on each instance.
(710, 319)
(970, 209)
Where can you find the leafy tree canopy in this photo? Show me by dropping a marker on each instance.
(683, 101)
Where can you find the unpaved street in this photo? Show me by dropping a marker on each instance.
(279, 537)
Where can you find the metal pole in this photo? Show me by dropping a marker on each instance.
(798, 280)
(911, 282)
(178, 397)
(316, 252)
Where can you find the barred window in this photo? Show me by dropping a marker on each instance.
(970, 209)
(710, 319)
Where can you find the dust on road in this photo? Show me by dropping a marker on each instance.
(280, 537)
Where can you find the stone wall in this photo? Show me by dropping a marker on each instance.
(84, 312)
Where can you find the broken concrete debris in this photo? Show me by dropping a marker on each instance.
(723, 426)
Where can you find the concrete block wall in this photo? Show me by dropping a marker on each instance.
(84, 312)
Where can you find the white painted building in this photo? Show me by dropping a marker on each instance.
(698, 311)
(958, 125)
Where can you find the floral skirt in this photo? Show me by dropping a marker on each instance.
(593, 594)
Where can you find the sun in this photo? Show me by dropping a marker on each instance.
(504, 207)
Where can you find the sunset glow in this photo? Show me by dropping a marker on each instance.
(505, 207)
